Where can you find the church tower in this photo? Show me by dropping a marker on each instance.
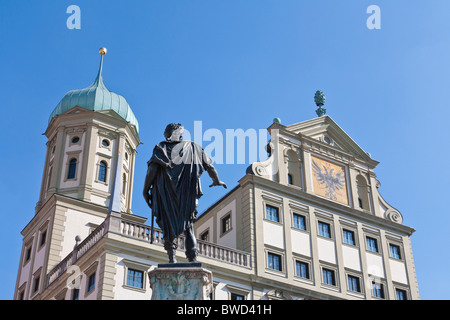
(92, 139)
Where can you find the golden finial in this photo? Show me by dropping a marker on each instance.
(102, 51)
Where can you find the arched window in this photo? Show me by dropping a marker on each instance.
(124, 183)
(72, 168)
(102, 171)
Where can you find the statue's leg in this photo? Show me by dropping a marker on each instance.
(171, 248)
(190, 243)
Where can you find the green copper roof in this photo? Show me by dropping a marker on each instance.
(97, 98)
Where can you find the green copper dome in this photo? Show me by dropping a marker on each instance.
(97, 98)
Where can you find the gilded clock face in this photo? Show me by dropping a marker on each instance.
(329, 180)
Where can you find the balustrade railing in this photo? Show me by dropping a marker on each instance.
(135, 230)
(78, 251)
(206, 249)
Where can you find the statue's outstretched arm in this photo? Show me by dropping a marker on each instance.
(149, 178)
(215, 177)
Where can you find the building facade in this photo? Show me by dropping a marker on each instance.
(307, 223)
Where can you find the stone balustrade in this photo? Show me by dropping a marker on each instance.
(116, 224)
(78, 251)
(206, 249)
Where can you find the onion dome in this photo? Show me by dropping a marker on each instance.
(97, 98)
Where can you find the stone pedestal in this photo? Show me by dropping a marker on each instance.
(180, 281)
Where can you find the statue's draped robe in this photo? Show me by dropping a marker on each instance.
(176, 186)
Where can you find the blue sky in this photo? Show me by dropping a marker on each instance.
(238, 64)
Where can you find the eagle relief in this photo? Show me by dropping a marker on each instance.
(329, 180)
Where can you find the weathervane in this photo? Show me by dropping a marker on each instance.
(319, 99)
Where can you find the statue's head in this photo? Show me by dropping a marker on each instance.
(174, 132)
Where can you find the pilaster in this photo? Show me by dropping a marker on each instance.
(85, 179)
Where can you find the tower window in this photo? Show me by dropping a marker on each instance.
(105, 143)
(102, 172)
(75, 139)
(290, 179)
(72, 169)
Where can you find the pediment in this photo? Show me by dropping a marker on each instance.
(77, 109)
(111, 113)
(328, 132)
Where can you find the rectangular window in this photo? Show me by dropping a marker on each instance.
(328, 277)
(324, 229)
(75, 294)
(205, 236)
(372, 244)
(349, 237)
(28, 254)
(235, 296)
(302, 269)
(91, 282)
(135, 278)
(36, 284)
(353, 284)
(394, 251)
(377, 290)
(226, 223)
(43, 238)
(274, 261)
(299, 222)
(290, 179)
(272, 213)
(400, 294)
(72, 169)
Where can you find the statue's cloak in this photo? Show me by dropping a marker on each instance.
(176, 186)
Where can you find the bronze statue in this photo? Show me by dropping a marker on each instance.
(172, 188)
